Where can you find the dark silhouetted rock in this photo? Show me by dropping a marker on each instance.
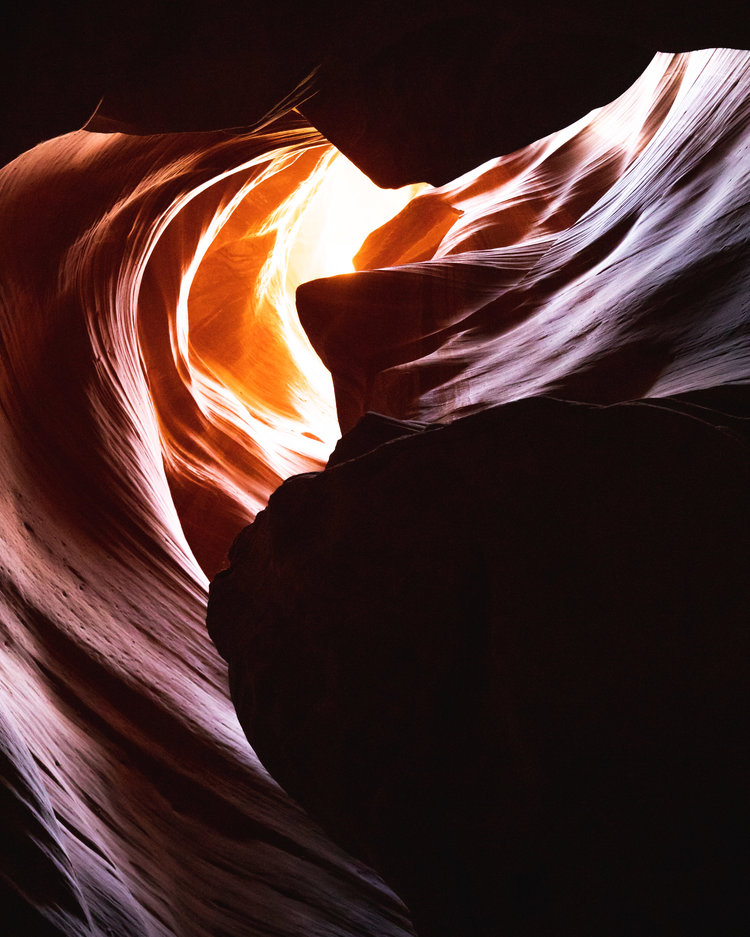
(506, 662)
(409, 91)
(156, 387)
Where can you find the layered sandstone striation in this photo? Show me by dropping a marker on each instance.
(131, 802)
(156, 386)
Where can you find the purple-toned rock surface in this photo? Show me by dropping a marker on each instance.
(606, 262)
(156, 387)
(132, 805)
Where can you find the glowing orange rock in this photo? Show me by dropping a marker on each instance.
(149, 405)
(136, 438)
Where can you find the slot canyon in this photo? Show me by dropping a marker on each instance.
(375, 444)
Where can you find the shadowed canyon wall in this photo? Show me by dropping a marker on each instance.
(156, 387)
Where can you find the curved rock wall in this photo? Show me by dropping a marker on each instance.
(606, 262)
(147, 415)
(505, 660)
(133, 805)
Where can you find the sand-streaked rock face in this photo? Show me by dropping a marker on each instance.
(608, 261)
(156, 387)
(132, 804)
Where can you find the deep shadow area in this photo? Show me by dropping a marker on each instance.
(410, 92)
(505, 662)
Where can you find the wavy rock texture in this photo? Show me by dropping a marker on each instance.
(606, 262)
(148, 412)
(132, 804)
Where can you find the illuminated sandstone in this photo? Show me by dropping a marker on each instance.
(139, 435)
(134, 441)
(601, 264)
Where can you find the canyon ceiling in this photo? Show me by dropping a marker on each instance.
(496, 651)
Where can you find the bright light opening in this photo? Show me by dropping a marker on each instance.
(236, 337)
